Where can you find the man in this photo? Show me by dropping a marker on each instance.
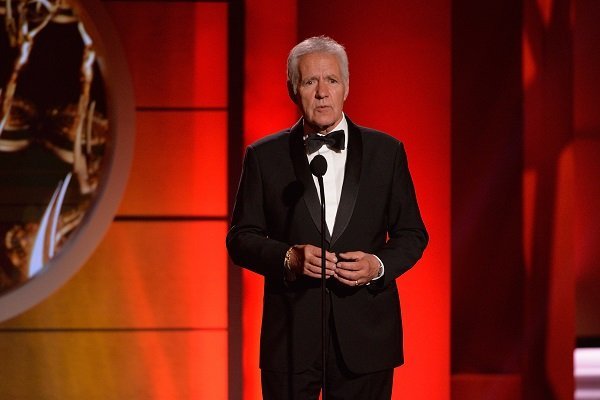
(374, 234)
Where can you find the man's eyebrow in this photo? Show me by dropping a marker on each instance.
(309, 77)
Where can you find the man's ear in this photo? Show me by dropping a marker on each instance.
(290, 89)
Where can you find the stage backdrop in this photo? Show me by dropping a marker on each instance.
(158, 312)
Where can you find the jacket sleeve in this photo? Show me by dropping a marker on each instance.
(248, 241)
(407, 236)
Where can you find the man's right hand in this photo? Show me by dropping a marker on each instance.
(305, 259)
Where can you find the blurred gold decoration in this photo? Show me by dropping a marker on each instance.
(75, 132)
(31, 18)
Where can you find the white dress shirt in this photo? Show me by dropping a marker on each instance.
(333, 180)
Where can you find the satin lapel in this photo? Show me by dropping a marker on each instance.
(302, 170)
(351, 182)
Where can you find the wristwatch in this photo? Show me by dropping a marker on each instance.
(379, 272)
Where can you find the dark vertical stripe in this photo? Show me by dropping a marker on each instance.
(236, 43)
(487, 164)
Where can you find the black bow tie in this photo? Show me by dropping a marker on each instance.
(333, 140)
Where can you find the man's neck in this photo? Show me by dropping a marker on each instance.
(311, 129)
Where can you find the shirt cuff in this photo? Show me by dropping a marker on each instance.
(381, 269)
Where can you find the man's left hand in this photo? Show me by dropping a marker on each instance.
(357, 268)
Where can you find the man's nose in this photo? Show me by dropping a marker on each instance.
(321, 91)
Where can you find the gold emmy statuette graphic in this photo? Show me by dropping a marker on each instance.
(64, 128)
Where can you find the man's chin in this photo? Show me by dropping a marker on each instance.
(322, 126)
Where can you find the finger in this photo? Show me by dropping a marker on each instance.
(349, 275)
(314, 259)
(316, 268)
(315, 271)
(311, 274)
(317, 262)
(331, 266)
(328, 271)
(350, 282)
(312, 251)
(331, 257)
(312, 271)
(353, 255)
(316, 252)
(351, 266)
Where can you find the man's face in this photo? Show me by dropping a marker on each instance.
(321, 91)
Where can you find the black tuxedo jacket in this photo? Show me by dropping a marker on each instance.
(277, 206)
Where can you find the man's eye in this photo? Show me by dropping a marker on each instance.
(333, 80)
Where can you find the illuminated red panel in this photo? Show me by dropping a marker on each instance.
(530, 178)
(561, 294)
(177, 51)
(477, 386)
(416, 54)
(586, 63)
(144, 274)
(587, 234)
(115, 365)
(586, 36)
(545, 8)
(270, 34)
(529, 65)
(179, 166)
(251, 319)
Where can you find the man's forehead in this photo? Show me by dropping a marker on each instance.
(317, 60)
(318, 55)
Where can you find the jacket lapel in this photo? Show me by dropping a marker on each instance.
(351, 182)
(302, 170)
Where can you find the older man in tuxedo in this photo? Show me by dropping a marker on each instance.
(374, 233)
